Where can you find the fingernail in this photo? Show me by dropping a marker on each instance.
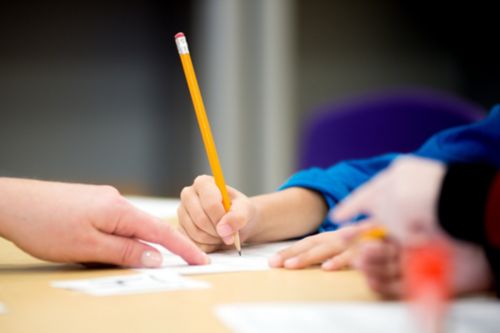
(291, 263)
(228, 240)
(329, 264)
(275, 261)
(224, 230)
(151, 259)
(205, 259)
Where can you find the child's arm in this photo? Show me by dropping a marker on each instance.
(474, 143)
(286, 214)
(275, 216)
(201, 212)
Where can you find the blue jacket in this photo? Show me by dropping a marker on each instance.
(475, 143)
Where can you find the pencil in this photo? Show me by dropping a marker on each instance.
(204, 125)
(373, 234)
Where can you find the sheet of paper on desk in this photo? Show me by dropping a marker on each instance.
(160, 207)
(131, 284)
(253, 258)
(465, 316)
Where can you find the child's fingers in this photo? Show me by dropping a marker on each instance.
(207, 248)
(377, 252)
(380, 262)
(191, 203)
(315, 255)
(340, 261)
(387, 271)
(305, 244)
(193, 231)
(387, 289)
(210, 198)
(237, 217)
(352, 233)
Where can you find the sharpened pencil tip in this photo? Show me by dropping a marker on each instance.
(239, 252)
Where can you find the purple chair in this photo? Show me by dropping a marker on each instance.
(394, 121)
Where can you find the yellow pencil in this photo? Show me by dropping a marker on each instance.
(373, 234)
(206, 133)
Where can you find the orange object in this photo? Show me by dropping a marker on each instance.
(204, 125)
(427, 281)
(377, 232)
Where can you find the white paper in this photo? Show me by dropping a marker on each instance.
(464, 316)
(159, 207)
(253, 258)
(131, 284)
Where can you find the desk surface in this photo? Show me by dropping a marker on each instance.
(34, 306)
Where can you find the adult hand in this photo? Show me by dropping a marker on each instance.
(85, 223)
(403, 197)
(203, 218)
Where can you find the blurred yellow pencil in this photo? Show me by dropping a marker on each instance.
(206, 133)
(373, 234)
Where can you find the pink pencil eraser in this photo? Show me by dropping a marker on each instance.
(179, 35)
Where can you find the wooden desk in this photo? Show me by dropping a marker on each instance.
(34, 306)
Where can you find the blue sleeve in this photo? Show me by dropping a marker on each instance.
(474, 143)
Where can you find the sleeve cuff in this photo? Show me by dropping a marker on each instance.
(462, 201)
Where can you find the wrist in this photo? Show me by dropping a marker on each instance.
(248, 232)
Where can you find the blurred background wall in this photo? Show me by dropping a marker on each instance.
(94, 91)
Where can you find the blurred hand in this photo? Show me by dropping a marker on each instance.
(203, 218)
(381, 262)
(332, 250)
(403, 198)
(85, 223)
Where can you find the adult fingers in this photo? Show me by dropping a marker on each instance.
(134, 223)
(123, 251)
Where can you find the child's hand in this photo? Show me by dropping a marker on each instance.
(332, 250)
(381, 260)
(203, 218)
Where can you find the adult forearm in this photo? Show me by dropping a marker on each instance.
(14, 205)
